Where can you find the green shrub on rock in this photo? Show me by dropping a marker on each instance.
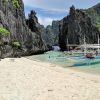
(4, 31)
(15, 4)
(16, 44)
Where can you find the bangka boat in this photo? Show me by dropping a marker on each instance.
(90, 56)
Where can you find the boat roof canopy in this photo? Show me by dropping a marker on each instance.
(92, 46)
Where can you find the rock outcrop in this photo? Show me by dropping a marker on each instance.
(74, 27)
(55, 28)
(50, 33)
(12, 19)
(94, 14)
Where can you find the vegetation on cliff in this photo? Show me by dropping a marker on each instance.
(15, 4)
(94, 14)
(16, 44)
(4, 31)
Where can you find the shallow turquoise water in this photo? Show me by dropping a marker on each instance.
(77, 61)
(52, 57)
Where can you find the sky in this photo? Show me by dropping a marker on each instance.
(48, 10)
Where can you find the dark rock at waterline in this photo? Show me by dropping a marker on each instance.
(12, 18)
(74, 27)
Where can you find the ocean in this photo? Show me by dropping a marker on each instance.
(78, 62)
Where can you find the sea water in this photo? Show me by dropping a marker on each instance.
(76, 61)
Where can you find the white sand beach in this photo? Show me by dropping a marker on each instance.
(24, 79)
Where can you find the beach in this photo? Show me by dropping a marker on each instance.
(24, 79)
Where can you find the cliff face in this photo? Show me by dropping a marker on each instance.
(94, 14)
(50, 33)
(12, 19)
(75, 27)
(55, 28)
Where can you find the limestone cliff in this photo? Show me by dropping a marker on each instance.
(94, 14)
(74, 27)
(12, 19)
(50, 33)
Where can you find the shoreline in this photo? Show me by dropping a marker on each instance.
(68, 67)
(25, 79)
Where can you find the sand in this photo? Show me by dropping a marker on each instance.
(24, 79)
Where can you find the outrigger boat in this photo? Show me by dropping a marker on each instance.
(90, 56)
(87, 50)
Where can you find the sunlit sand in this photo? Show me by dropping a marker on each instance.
(24, 79)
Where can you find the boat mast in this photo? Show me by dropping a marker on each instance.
(84, 45)
(67, 44)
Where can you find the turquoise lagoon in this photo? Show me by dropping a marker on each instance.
(73, 61)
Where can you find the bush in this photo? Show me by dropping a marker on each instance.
(4, 31)
(16, 44)
(15, 4)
